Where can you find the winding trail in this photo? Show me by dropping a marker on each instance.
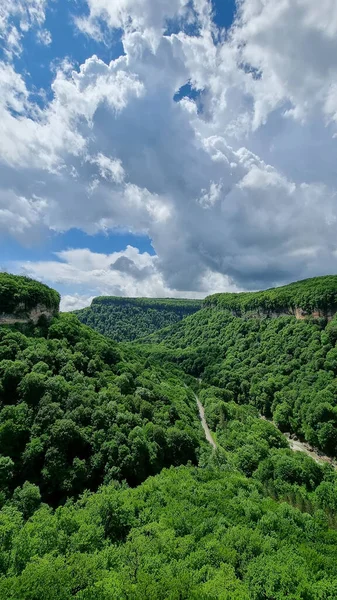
(295, 444)
(206, 429)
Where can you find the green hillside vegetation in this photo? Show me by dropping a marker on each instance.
(188, 533)
(126, 319)
(309, 294)
(18, 295)
(76, 412)
(109, 491)
(284, 367)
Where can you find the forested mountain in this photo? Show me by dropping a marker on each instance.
(76, 412)
(108, 489)
(126, 319)
(283, 366)
(316, 295)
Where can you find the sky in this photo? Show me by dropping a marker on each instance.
(168, 148)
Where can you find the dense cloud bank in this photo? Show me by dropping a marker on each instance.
(236, 187)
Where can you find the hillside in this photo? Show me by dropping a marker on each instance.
(188, 534)
(126, 319)
(283, 366)
(109, 490)
(316, 296)
(24, 299)
(77, 411)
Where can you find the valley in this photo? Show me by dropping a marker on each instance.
(159, 468)
(127, 319)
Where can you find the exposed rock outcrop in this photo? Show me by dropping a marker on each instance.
(315, 297)
(21, 317)
(297, 312)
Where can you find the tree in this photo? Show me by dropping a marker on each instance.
(27, 498)
(6, 472)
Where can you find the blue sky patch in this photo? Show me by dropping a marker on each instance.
(37, 61)
(224, 12)
(11, 250)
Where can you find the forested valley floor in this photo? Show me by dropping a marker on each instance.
(110, 490)
(127, 319)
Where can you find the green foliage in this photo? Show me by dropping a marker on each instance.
(76, 411)
(27, 498)
(309, 294)
(125, 319)
(87, 424)
(284, 367)
(18, 295)
(6, 472)
(186, 534)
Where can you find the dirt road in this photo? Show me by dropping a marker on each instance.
(206, 429)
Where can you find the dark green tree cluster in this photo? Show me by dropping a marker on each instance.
(18, 295)
(317, 293)
(126, 319)
(76, 412)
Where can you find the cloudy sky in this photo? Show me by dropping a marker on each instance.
(167, 147)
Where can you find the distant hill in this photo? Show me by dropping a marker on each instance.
(126, 319)
(310, 297)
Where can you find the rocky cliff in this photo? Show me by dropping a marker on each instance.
(33, 315)
(316, 297)
(23, 299)
(297, 312)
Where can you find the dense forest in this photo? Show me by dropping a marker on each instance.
(187, 533)
(286, 368)
(317, 293)
(126, 319)
(77, 412)
(109, 491)
(18, 295)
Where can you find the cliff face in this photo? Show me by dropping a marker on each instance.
(33, 315)
(315, 297)
(298, 313)
(23, 300)
(327, 314)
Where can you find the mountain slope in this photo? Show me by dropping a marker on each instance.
(316, 296)
(25, 299)
(253, 520)
(284, 366)
(125, 319)
(76, 410)
(188, 534)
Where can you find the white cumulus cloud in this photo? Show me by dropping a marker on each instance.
(126, 273)
(16, 18)
(235, 187)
